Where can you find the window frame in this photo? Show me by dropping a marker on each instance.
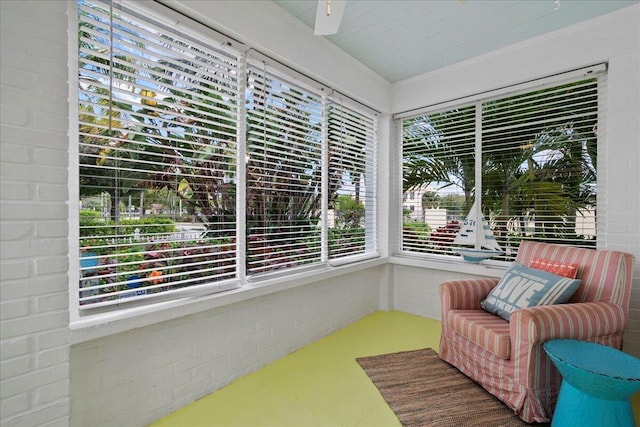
(153, 264)
(160, 15)
(361, 129)
(478, 100)
(281, 104)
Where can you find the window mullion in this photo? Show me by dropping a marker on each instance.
(241, 175)
(324, 240)
(478, 170)
(371, 177)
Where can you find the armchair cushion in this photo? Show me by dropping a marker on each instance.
(524, 287)
(484, 329)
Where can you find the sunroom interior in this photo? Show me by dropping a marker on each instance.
(132, 364)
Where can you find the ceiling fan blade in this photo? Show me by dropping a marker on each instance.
(328, 16)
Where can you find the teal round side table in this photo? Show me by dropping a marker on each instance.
(597, 384)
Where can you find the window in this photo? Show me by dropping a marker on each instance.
(352, 169)
(158, 117)
(184, 152)
(529, 158)
(284, 174)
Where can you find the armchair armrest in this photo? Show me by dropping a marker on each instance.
(529, 328)
(581, 321)
(465, 294)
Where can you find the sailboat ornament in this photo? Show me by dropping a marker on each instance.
(475, 232)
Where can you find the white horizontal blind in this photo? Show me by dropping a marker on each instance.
(352, 184)
(438, 177)
(284, 175)
(539, 165)
(537, 169)
(158, 115)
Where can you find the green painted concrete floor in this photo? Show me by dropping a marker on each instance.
(320, 384)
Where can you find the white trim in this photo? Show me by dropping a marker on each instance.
(397, 199)
(477, 179)
(337, 262)
(284, 274)
(603, 219)
(284, 73)
(74, 164)
(241, 174)
(324, 209)
(338, 98)
(452, 264)
(169, 18)
(488, 95)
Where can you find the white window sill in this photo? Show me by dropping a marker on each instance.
(487, 268)
(105, 324)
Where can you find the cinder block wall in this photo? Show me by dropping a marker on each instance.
(34, 335)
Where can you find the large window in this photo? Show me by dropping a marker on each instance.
(527, 158)
(185, 151)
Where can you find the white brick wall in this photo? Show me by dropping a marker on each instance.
(34, 309)
(621, 194)
(135, 377)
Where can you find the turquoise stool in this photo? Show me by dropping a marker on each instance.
(597, 384)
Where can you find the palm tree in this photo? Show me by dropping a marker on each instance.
(439, 149)
(430, 199)
(536, 165)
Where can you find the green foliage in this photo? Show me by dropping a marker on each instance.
(90, 226)
(155, 267)
(87, 214)
(418, 227)
(346, 241)
(436, 150)
(416, 235)
(348, 212)
(150, 225)
(94, 226)
(454, 203)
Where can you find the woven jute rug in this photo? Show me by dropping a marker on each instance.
(425, 391)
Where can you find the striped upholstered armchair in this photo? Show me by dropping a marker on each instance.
(507, 357)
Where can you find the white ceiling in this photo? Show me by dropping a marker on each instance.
(399, 39)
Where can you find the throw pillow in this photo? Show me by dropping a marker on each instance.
(555, 267)
(523, 287)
